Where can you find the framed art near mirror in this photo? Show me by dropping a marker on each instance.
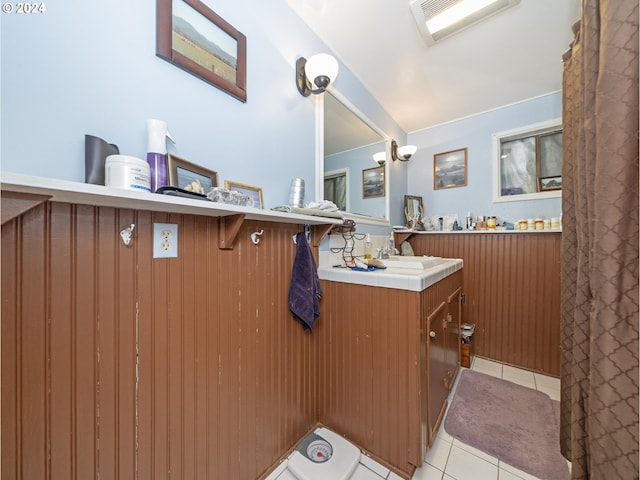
(413, 212)
(193, 37)
(373, 182)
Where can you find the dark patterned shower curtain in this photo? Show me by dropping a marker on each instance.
(599, 398)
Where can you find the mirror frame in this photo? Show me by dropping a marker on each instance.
(363, 219)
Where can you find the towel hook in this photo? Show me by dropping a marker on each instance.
(126, 234)
(255, 235)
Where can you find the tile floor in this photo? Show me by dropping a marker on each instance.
(448, 458)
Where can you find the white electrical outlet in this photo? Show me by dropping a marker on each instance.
(165, 240)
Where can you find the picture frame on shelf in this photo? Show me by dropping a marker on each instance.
(413, 212)
(251, 190)
(373, 184)
(194, 38)
(189, 176)
(450, 169)
(548, 184)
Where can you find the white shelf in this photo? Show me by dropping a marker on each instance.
(100, 196)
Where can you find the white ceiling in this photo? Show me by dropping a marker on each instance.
(512, 56)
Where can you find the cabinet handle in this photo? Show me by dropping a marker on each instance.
(432, 334)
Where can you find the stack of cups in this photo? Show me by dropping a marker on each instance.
(296, 193)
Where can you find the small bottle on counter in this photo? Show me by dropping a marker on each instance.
(469, 220)
(368, 247)
(392, 244)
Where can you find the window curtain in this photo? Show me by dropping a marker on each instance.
(599, 370)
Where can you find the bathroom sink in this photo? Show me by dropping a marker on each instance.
(415, 262)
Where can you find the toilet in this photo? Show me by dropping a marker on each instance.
(323, 454)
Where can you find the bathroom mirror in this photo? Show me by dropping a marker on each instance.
(350, 141)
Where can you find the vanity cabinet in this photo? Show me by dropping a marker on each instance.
(383, 381)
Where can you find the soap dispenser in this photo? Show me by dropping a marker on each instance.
(157, 134)
(392, 244)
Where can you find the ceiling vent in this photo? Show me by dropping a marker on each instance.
(439, 19)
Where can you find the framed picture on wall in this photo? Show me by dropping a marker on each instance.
(373, 182)
(450, 169)
(193, 37)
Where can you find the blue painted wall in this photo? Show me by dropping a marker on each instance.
(475, 133)
(91, 68)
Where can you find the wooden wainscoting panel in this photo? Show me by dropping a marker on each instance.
(24, 347)
(512, 289)
(118, 365)
(368, 370)
(10, 334)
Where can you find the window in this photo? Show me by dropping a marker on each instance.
(528, 162)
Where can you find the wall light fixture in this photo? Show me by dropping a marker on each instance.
(380, 158)
(402, 153)
(315, 74)
(397, 153)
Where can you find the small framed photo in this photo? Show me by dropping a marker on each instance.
(413, 211)
(254, 192)
(373, 182)
(193, 37)
(189, 176)
(450, 169)
(550, 183)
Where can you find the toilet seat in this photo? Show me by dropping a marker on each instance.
(340, 466)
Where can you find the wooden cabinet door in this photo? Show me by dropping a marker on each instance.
(437, 370)
(452, 351)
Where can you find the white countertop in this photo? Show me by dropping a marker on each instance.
(399, 278)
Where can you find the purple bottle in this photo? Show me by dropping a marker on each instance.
(157, 134)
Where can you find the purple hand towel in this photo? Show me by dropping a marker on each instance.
(305, 290)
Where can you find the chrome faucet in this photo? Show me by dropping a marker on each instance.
(383, 253)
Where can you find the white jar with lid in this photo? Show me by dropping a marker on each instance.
(131, 173)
